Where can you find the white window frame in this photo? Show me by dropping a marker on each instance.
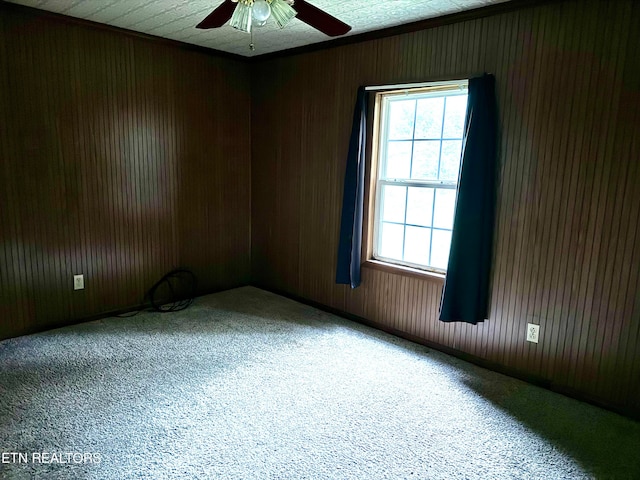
(435, 89)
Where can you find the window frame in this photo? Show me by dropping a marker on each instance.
(377, 158)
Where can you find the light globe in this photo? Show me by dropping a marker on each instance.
(261, 11)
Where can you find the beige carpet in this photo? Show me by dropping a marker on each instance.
(249, 385)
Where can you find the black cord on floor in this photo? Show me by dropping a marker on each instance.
(172, 293)
(182, 286)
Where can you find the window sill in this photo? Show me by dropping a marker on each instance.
(405, 271)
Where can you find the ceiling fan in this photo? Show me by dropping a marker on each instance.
(247, 13)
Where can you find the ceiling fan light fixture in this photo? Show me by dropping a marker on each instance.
(282, 12)
(261, 11)
(241, 18)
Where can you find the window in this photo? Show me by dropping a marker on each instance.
(420, 140)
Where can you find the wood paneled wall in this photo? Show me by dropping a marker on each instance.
(567, 249)
(121, 158)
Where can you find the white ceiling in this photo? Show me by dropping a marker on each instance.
(176, 19)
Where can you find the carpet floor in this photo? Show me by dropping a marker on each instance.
(249, 385)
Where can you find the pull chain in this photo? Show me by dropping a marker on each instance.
(252, 47)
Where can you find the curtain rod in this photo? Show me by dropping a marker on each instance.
(402, 86)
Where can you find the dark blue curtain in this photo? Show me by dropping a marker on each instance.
(466, 290)
(350, 245)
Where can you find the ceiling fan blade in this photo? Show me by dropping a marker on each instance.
(319, 19)
(219, 16)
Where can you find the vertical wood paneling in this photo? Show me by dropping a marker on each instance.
(121, 159)
(567, 237)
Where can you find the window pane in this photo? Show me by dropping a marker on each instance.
(454, 116)
(416, 245)
(450, 161)
(440, 248)
(398, 159)
(444, 209)
(420, 206)
(429, 118)
(401, 117)
(391, 241)
(393, 199)
(421, 142)
(425, 160)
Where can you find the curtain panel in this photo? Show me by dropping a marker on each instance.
(350, 243)
(465, 296)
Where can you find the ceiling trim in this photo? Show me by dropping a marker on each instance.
(123, 31)
(457, 17)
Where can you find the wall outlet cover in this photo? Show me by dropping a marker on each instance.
(78, 282)
(533, 332)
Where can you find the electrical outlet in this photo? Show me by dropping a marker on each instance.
(78, 282)
(533, 332)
